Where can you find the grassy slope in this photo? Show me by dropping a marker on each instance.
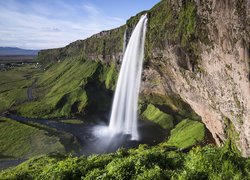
(154, 114)
(142, 163)
(187, 133)
(61, 89)
(22, 141)
(13, 86)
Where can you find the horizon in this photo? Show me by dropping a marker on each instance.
(45, 24)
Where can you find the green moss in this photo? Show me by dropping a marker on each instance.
(186, 23)
(131, 22)
(111, 77)
(182, 28)
(160, 26)
(174, 104)
(154, 114)
(187, 133)
(232, 136)
(21, 141)
(11, 97)
(108, 74)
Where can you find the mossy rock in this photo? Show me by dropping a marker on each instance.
(152, 113)
(186, 134)
(173, 105)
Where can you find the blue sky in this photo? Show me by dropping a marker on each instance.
(42, 24)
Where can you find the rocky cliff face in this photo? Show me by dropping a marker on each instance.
(210, 71)
(197, 59)
(107, 47)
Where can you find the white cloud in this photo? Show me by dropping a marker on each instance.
(92, 10)
(37, 26)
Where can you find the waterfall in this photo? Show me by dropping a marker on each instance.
(124, 109)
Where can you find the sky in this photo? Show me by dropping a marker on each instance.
(43, 24)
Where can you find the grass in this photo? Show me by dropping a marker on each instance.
(111, 77)
(187, 133)
(22, 141)
(13, 86)
(70, 142)
(174, 104)
(154, 114)
(72, 121)
(11, 97)
(61, 90)
(141, 163)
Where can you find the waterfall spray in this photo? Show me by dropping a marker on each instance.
(124, 109)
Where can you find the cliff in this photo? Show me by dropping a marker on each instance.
(196, 63)
(207, 65)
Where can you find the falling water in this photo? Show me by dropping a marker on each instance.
(124, 109)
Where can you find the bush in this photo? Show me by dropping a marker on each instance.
(142, 163)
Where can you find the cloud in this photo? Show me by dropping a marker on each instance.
(92, 10)
(39, 25)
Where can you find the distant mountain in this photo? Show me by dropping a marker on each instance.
(4, 51)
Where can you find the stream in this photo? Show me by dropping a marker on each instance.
(149, 133)
(93, 139)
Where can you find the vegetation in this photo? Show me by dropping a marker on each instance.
(142, 163)
(13, 86)
(61, 91)
(154, 114)
(72, 121)
(187, 133)
(181, 27)
(22, 141)
(172, 105)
